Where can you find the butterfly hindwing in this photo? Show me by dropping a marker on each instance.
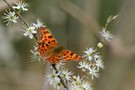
(68, 55)
(65, 55)
(54, 59)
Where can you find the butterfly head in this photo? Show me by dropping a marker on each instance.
(42, 29)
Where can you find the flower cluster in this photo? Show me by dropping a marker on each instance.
(92, 63)
(54, 80)
(73, 82)
(21, 6)
(106, 34)
(32, 29)
(11, 16)
(35, 54)
(78, 83)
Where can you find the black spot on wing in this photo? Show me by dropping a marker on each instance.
(50, 36)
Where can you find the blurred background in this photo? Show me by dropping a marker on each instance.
(76, 25)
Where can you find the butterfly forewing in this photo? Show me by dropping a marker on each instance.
(46, 41)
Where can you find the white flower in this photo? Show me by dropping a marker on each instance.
(65, 74)
(60, 64)
(99, 63)
(57, 85)
(53, 78)
(30, 31)
(79, 84)
(10, 17)
(38, 24)
(35, 54)
(83, 65)
(98, 60)
(76, 80)
(75, 87)
(93, 72)
(106, 34)
(88, 53)
(86, 85)
(21, 6)
(96, 56)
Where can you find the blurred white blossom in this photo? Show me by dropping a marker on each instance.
(66, 74)
(83, 65)
(38, 24)
(79, 84)
(86, 85)
(60, 64)
(93, 72)
(35, 54)
(10, 17)
(75, 87)
(57, 85)
(88, 53)
(76, 81)
(106, 34)
(21, 6)
(30, 31)
(99, 63)
(96, 56)
(53, 78)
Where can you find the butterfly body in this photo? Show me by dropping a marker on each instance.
(54, 51)
(51, 51)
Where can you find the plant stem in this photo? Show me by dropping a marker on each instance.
(61, 80)
(23, 20)
(17, 13)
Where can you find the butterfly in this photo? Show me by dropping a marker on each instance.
(51, 51)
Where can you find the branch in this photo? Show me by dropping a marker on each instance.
(61, 80)
(23, 20)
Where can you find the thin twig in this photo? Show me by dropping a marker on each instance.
(23, 20)
(17, 13)
(61, 80)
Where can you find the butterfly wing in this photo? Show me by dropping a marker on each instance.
(68, 55)
(46, 41)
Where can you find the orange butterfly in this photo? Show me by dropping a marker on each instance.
(50, 50)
